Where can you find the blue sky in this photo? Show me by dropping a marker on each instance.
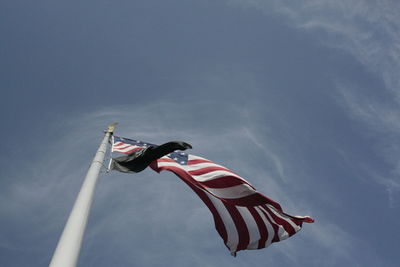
(301, 99)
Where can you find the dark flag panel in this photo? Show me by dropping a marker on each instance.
(139, 159)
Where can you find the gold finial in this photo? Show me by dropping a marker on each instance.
(111, 127)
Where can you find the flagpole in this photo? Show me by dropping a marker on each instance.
(67, 251)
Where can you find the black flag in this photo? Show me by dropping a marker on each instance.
(138, 160)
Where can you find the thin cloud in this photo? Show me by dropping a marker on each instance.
(367, 30)
(370, 33)
(382, 121)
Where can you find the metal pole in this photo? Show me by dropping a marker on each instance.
(69, 245)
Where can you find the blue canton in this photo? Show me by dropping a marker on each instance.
(132, 142)
(180, 157)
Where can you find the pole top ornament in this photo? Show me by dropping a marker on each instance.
(111, 127)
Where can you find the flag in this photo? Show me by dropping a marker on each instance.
(243, 217)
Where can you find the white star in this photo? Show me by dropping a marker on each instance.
(182, 162)
(175, 158)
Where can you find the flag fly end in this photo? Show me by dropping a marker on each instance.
(308, 219)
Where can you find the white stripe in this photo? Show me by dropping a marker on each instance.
(186, 167)
(122, 149)
(237, 191)
(282, 234)
(171, 164)
(284, 217)
(270, 229)
(193, 157)
(207, 176)
(119, 145)
(213, 175)
(252, 227)
(126, 149)
(123, 146)
(194, 167)
(232, 233)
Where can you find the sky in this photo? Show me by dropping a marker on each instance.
(301, 99)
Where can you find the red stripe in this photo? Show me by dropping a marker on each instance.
(288, 228)
(118, 144)
(209, 169)
(123, 146)
(197, 161)
(261, 227)
(241, 227)
(252, 200)
(223, 182)
(190, 162)
(128, 151)
(298, 222)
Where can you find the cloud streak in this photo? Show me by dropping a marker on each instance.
(367, 30)
(370, 33)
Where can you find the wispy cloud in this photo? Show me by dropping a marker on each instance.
(370, 33)
(383, 123)
(269, 154)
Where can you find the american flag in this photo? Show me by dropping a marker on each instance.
(244, 218)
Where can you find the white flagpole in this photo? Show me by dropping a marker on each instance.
(69, 245)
